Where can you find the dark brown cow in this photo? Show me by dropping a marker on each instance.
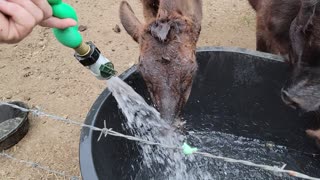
(291, 28)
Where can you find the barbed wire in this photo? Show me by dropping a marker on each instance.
(108, 131)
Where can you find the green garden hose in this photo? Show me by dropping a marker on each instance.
(86, 53)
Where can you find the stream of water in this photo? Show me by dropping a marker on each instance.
(160, 163)
(145, 122)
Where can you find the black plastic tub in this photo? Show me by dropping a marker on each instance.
(14, 124)
(239, 89)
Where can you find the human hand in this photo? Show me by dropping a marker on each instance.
(19, 17)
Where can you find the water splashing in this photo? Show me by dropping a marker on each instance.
(161, 163)
(145, 122)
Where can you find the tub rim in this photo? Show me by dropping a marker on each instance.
(85, 148)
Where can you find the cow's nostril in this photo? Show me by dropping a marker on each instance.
(285, 96)
(286, 99)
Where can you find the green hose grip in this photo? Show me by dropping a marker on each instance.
(52, 2)
(70, 36)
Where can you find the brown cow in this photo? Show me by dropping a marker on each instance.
(291, 28)
(167, 42)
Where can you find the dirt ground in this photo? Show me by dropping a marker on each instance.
(43, 73)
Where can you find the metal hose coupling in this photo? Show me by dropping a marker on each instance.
(90, 56)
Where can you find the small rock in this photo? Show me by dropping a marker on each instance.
(28, 74)
(2, 66)
(8, 96)
(52, 91)
(41, 43)
(27, 98)
(113, 50)
(116, 29)
(82, 28)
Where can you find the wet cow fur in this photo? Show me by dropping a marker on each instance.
(291, 28)
(167, 43)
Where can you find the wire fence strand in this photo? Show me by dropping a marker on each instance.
(39, 166)
(108, 131)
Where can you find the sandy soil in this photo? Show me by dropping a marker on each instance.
(43, 73)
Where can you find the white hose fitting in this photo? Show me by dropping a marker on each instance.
(95, 68)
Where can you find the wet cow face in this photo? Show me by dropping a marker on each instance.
(167, 50)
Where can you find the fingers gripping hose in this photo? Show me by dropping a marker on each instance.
(86, 53)
(69, 37)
